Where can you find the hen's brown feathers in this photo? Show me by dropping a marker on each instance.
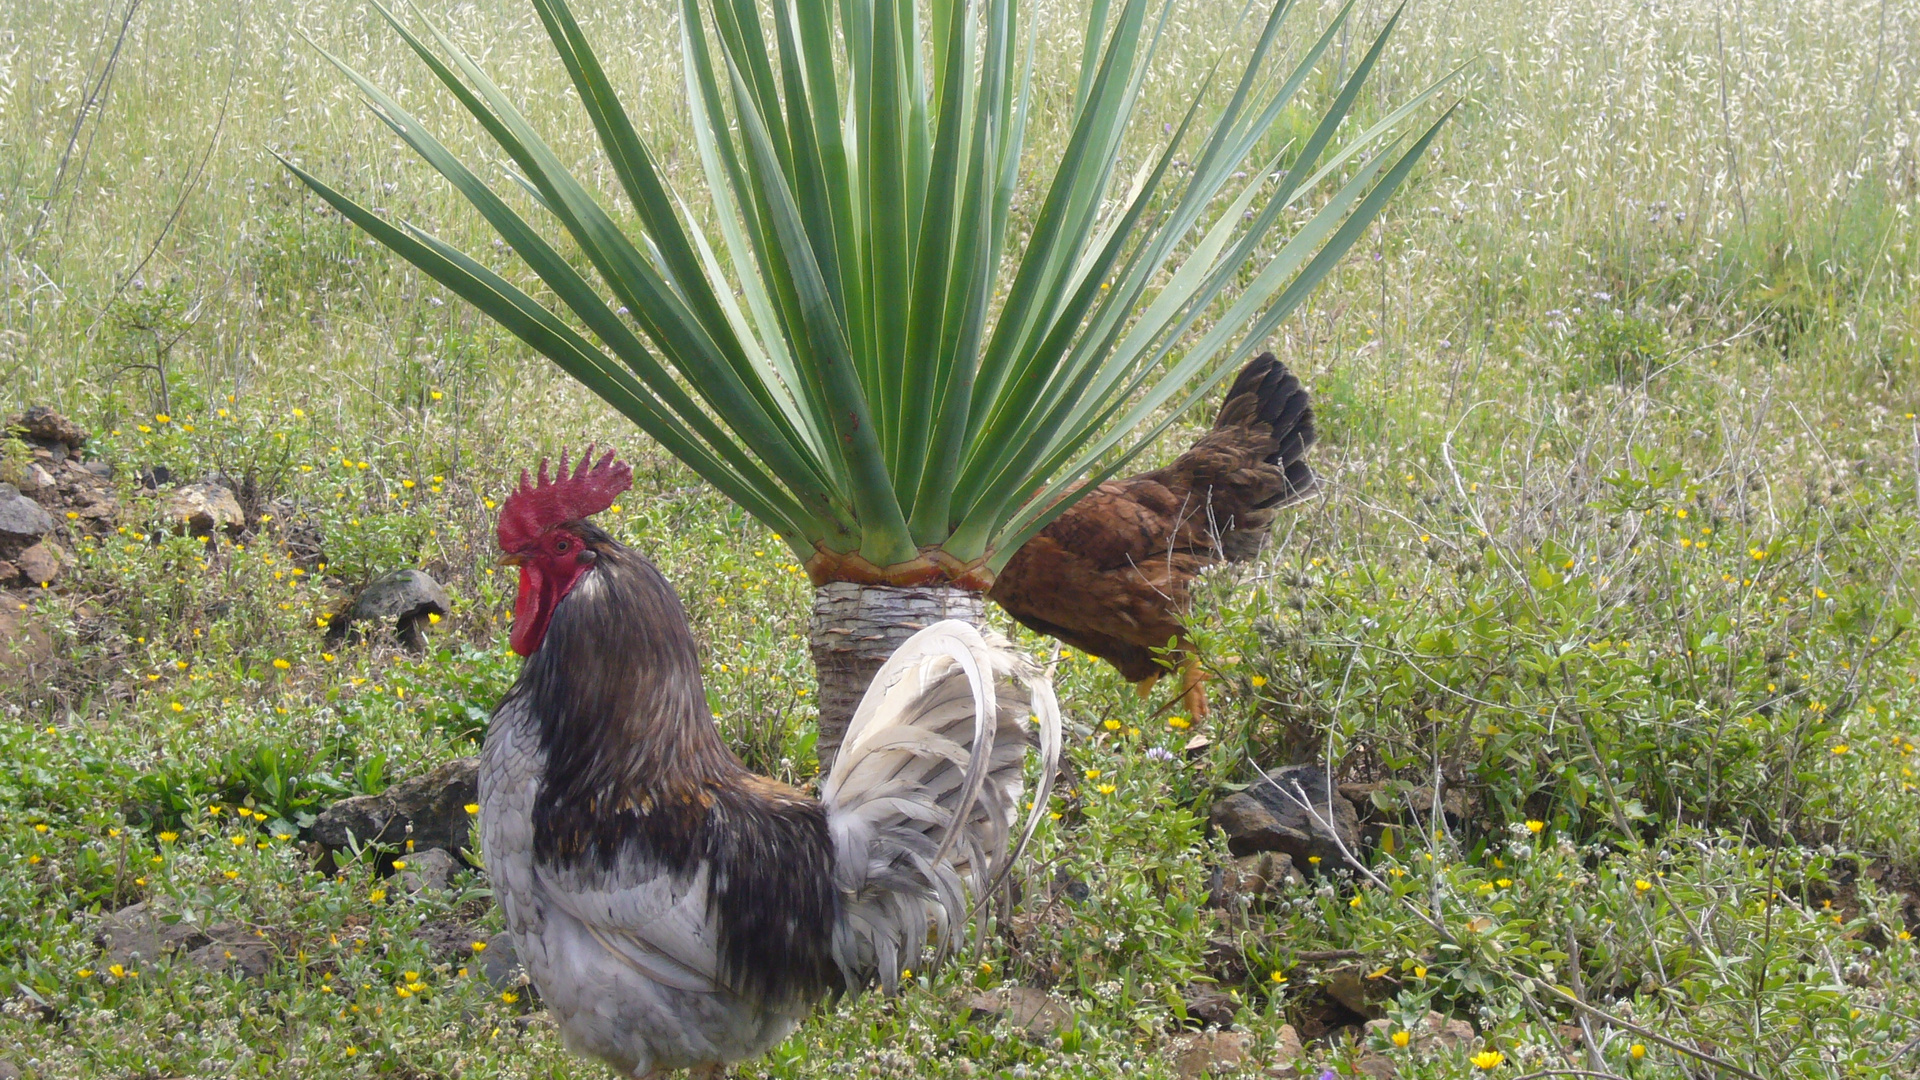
(1111, 575)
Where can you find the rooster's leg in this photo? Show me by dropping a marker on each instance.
(1145, 686)
(1195, 682)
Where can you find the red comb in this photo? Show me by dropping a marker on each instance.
(535, 508)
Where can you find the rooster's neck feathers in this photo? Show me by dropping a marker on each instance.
(636, 776)
(621, 707)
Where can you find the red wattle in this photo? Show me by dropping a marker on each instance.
(529, 613)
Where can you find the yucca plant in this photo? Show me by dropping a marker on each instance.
(864, 349)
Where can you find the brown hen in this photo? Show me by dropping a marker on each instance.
(1111, 576)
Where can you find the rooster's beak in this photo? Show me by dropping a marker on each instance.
(511, 559)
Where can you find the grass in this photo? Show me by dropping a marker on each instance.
(1618, 431)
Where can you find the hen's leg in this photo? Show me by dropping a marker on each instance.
(707, 1072)
(1195, 682)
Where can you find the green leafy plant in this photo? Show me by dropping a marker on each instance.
(868, 349)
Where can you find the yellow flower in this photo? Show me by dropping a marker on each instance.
(1839, 748)
(162, 418)
(1112, 725)
(376, 896)
(1535, 826)
(169, 837)
(232, 875)
(509, 996)
(1355, 902)
(403, 991)
(117, 971)
(1488, 1059)
(1314, 860)
(1180, 723)
(1106, 789)
(1505, 883)
(473, 808)
(1642, 884)
(1402, 1038)
(84, 972)
(1420, 971)
(33, 860)
(238, 841)
(479, 946)
(40, 827)
(281, 663)
(1278, 977)
(1258, 681)
(1637, 1051)
(1093, 774)
(177, 707)
(399, 864)
(435, 394)
(327, 656)
(433, 617)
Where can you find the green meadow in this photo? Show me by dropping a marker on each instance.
(1617, 545)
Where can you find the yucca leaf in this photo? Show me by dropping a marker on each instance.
(856, 348)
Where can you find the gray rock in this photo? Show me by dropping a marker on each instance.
(452, 941)
(1269, 816)
(136, 935)
(41, 424)
(1288, 1050)
(1212, 1053)
(1241, 882)
(37, 480)
(500, 964)
(41, 564)
(424, 870)
(1350, 987)
(22, 521)
(201, 509)
(1035, 1011)
(8, 1070)
(430, 810)
(1376, 1066)
(233, 950)
(404, 598)
(1208, 1006)
(1432, 1035)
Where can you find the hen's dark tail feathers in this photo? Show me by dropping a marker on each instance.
(1268, 402)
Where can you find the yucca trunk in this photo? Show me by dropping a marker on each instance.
(855, 627)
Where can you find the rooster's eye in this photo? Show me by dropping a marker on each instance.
(561, 545)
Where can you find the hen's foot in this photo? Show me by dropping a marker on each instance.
(1145, 686)
(1195, 681)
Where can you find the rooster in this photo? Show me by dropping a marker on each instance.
(1111, 576)
(674, 909)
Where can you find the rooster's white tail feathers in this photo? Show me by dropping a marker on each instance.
(923, 797)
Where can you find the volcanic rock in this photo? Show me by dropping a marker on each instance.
(136, 935)
(1295, 811)
(430, 810)
(426, 870)
(22, 521)
(233, 950)
(40, 424)
(1211, 1053)
(41, 564)
(1035, 1011)
(200, 509)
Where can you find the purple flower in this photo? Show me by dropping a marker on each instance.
(1160, 753)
